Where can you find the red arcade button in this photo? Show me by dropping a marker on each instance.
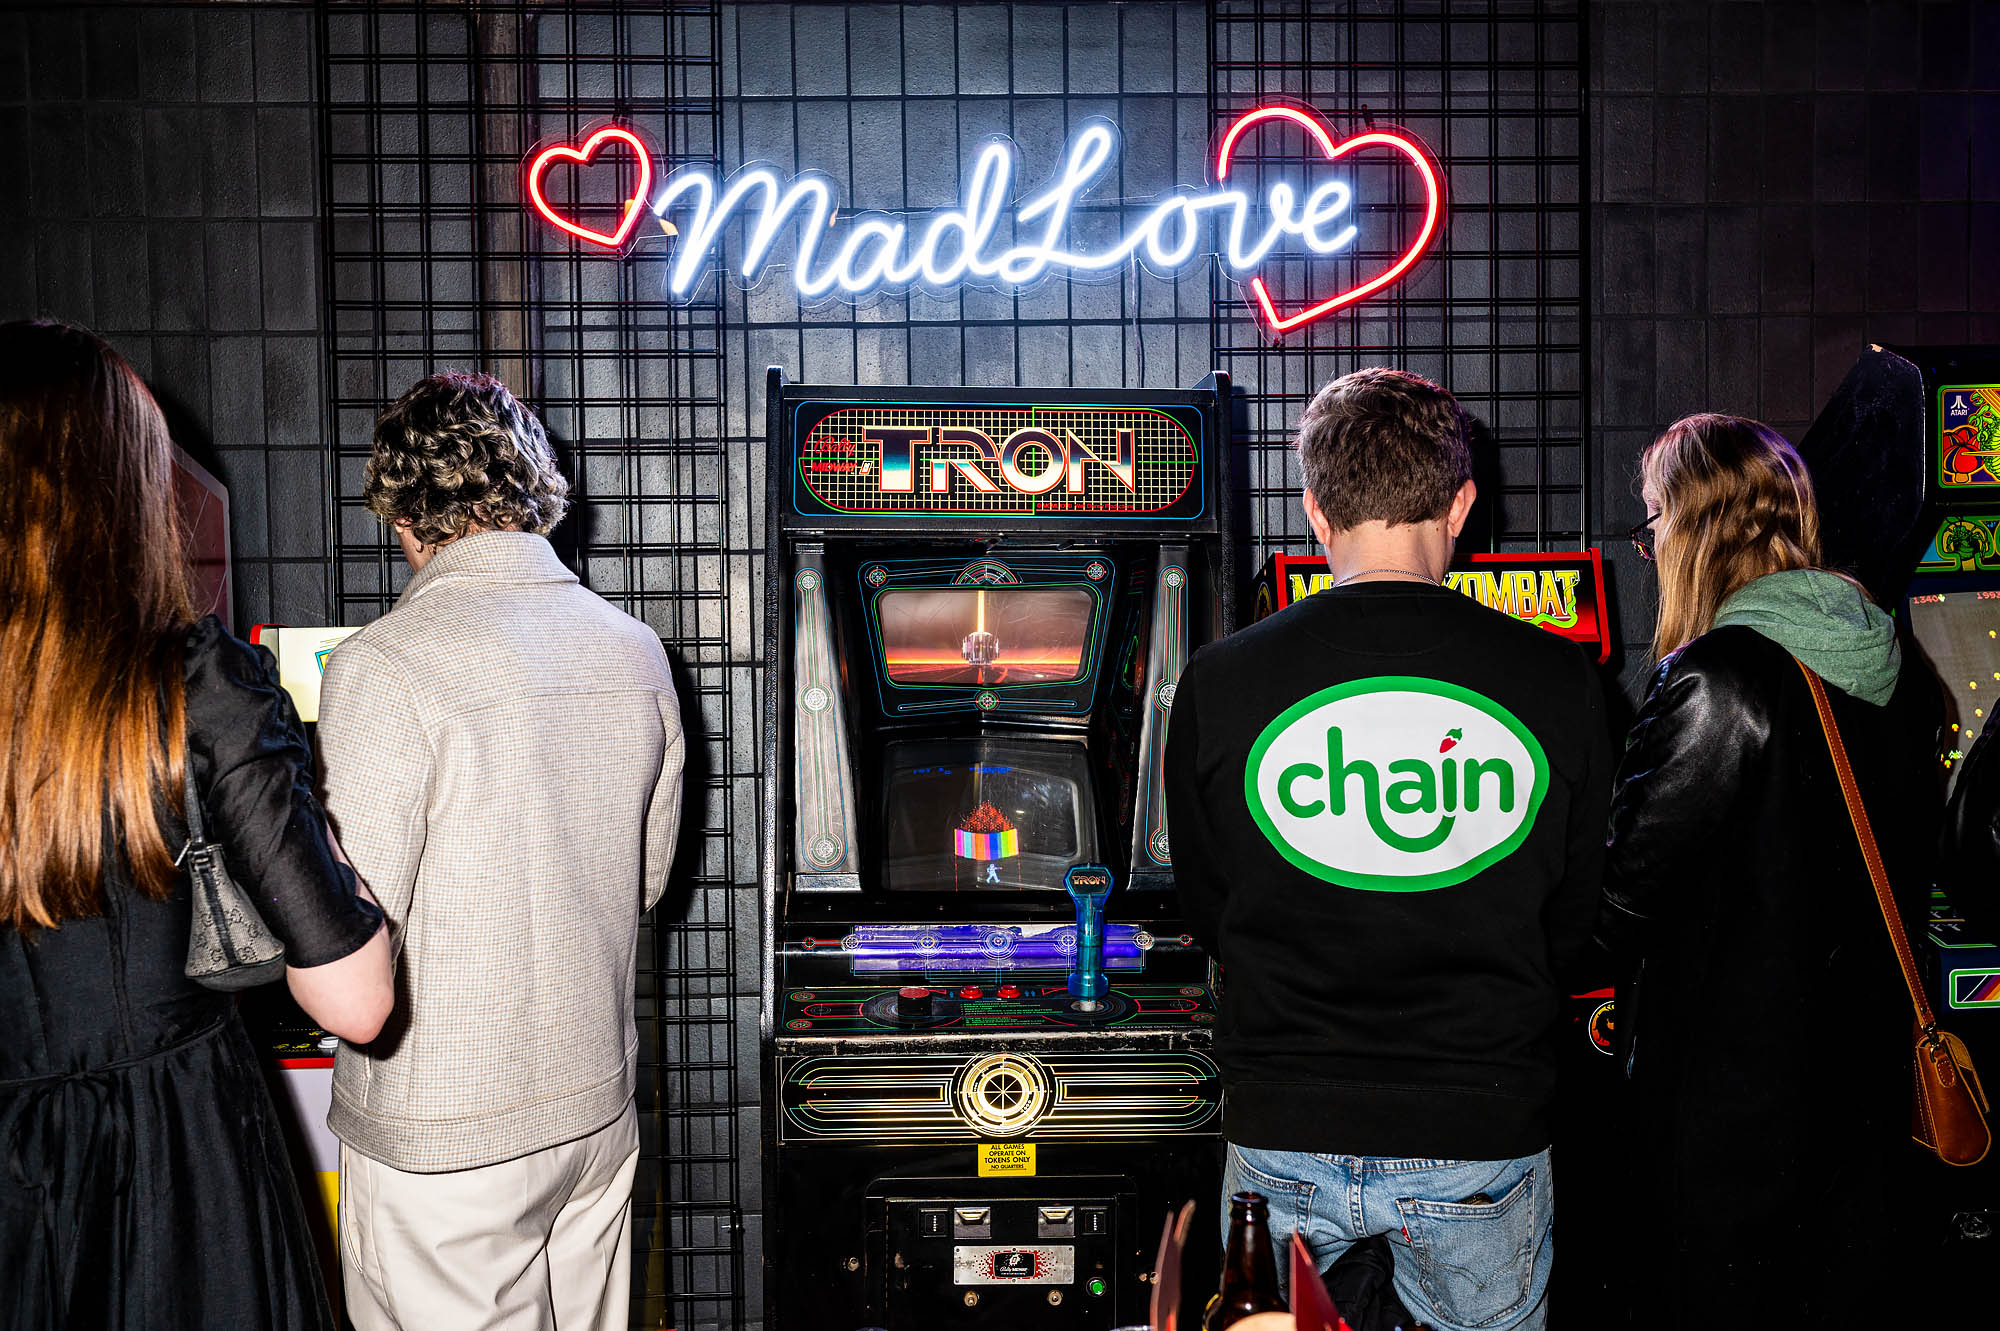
(1010, 991)
(971, 991)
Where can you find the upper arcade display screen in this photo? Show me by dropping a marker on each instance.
(985, 636)
(1968, 442)
(1002, 633)
(985, 815)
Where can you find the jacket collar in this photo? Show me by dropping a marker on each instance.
(489, 556)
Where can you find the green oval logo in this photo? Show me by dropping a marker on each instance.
(1395, 784)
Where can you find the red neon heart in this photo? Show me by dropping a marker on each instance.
(634, 203)
(1313, 125)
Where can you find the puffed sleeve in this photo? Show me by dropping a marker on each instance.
(254, 772)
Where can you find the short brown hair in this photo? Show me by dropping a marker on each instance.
(1738, 503)
(1382, 444)
(458, 449)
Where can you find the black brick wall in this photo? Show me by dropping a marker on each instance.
(1775, 186)
(160, 187)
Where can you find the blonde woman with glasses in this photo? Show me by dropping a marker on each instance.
(1764, 1024)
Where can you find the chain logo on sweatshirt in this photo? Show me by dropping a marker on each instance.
(1395, 784)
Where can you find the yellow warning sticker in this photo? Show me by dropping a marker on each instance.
(1006, 1158)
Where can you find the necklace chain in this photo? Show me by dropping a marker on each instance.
(1406, 572)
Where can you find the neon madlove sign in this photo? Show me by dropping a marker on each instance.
(995, 239)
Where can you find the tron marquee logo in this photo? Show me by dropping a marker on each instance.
(998, 460)
(995, 239)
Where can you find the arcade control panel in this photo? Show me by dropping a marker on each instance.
(991, 1006)
(972, 1032)
(991, 979)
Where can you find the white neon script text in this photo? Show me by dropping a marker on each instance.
(953, 245)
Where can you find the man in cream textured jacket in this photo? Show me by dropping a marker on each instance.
(502, 757)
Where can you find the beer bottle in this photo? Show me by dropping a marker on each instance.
(1249, 1269)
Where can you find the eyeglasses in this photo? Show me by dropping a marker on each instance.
(1642, 536)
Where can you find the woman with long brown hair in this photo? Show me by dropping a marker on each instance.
(144, 1180)
(1763, 1018)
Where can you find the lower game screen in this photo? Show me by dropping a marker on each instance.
(1960, 632)
(985, 814)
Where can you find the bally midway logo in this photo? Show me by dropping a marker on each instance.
(1395, 784)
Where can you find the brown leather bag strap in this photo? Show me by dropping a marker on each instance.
(1866, 835)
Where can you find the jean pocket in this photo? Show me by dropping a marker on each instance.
(1476, 1260)
(1290, 1200)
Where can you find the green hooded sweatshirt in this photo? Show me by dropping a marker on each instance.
(1827, 622)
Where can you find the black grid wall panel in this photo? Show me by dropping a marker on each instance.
(892, 102)
(1495, 312)
(432, 264)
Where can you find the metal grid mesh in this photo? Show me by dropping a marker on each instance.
(890, 101)
(657, 408)
(430, 265)
(1495, 313)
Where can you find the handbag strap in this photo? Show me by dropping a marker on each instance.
(1866, 835)
(193, 813)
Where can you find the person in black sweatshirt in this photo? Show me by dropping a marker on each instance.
(1387, 805)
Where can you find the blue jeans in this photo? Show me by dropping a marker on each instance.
(1473, 1239)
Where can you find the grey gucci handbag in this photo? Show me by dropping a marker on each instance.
(229, 945)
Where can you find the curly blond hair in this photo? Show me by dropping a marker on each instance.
(459, 449)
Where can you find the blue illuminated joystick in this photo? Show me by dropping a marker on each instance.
(1088, 885)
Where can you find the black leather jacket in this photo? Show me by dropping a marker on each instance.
(1769, 1026)
(1972, 839)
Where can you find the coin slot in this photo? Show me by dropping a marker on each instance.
(972, 1222)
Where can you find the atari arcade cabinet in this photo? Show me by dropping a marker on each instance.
(1905, 461)
(986, 1031)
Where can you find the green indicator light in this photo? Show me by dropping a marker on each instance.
(1096, 1285)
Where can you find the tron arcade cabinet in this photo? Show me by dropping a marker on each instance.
(1905, 460)
(986, 1031)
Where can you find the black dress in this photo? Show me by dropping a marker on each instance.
(144, 1178)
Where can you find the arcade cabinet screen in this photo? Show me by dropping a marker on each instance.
(985, 815)
(1960, 632)
(985, 636)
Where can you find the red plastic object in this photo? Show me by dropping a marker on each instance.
(971, 991)
(1010, 991)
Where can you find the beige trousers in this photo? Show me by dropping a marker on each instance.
(542, 1241)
